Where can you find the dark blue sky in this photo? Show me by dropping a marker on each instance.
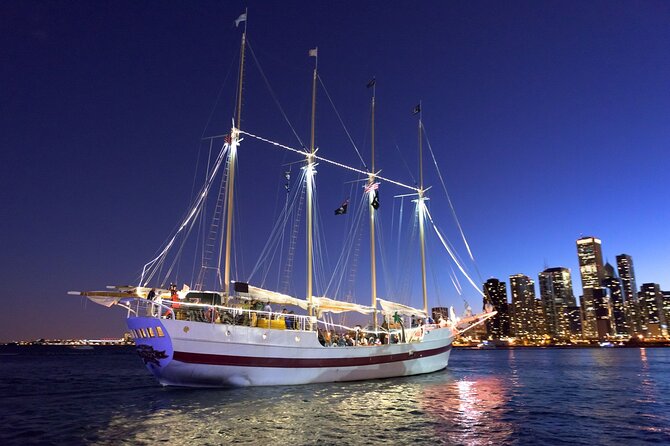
(550, 120)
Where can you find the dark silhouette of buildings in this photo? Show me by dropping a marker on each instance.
(619, 324)
(496, 294)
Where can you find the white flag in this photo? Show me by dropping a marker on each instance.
(313, 52)
(240, 19)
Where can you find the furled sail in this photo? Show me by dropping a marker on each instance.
(393, 307)
(336, 306)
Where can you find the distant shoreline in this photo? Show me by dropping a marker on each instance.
(659, 344)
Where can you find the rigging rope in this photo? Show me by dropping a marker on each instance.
(274, 96)
(337, 113)
(158, 260)
(451, 254)
(444, 187)
(326, 160)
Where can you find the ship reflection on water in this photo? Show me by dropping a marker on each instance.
(470, 411)
(435, 409)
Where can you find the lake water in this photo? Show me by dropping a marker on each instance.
(518, 397)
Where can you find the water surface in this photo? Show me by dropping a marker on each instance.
(498, 397)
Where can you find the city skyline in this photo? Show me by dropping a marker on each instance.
(610, 307)
(549, 121)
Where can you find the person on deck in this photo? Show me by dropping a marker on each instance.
(267, 308)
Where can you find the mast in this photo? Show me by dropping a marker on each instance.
(310, 176)
(371, 179)
(234, 142)
(422, 218)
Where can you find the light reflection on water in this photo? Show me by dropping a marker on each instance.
(529, 396)
(470, 411)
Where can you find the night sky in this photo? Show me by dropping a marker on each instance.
(550, 120)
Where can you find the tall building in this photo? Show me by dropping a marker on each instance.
(619, 319)
(651, 303)
(666, 307)
(575, 320)
(591, 270)
(624, 263)
(539, 329)
(557, 296)
(498, 326)
(523, 306)
(603, 312)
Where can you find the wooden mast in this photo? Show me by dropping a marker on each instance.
(422, 218)
(371, 180)
(310, 183)
(234, 141)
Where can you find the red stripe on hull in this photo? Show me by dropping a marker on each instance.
(252, 361)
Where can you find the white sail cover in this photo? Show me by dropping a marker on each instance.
(337, 306)
(276, 298)
(393, 307)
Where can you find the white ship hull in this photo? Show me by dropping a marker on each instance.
(197, 354)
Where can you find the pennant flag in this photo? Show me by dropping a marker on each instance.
(240, 19)
(375, 201)
(343, 208)
(372, 83)
(417, 109)
(314, 52)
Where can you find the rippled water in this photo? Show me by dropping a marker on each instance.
(524, 396)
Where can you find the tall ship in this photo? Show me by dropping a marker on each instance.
(223, 331)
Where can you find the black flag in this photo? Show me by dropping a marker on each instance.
(343, 208)
(417, 109)
(372, 83)
(375, 200)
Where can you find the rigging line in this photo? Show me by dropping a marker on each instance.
(455, 280)
(196, 206)
(272, 93)
(345, 254)
(402, 158)
(276, 234)
(453, 257)
(177, 258)
(218, 96)
(458, 290)
(326, 160)
(337, 113)
(453, 211)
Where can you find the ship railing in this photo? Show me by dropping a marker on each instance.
(219, 314)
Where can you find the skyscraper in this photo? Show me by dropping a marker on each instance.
(603, 312)
(651, 303)
(523, 306)
(556, 294)
(666, 306)
(499, 325)
(624, 263)
(616, 301)
(589, 252)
